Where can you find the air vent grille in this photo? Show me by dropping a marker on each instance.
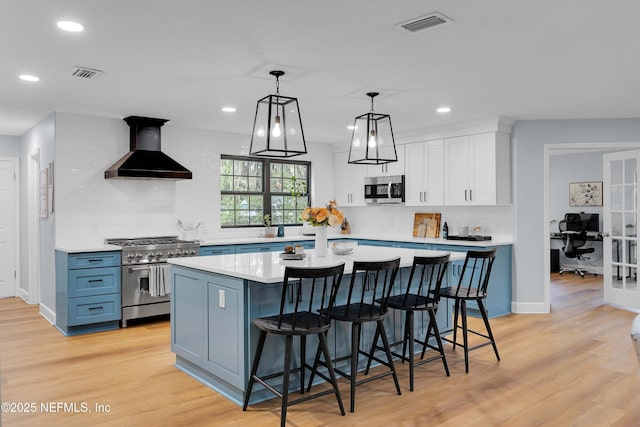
(425, 22)
(85, 73)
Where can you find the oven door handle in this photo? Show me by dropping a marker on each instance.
(132, 269)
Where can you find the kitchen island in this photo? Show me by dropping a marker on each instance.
(214, 298)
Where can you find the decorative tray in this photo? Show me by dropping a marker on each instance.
(284, 255)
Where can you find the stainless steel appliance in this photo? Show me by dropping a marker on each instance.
(141, 258)
(384, 189)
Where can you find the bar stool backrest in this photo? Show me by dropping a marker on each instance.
(476, 270)
(309, 290)
(378, 278)
(425, 279)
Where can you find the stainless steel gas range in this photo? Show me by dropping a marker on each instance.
(145, 273)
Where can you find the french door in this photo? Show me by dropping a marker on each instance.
(620, 221)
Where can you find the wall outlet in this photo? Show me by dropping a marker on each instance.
(221, 298)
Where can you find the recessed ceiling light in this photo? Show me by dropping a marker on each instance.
(70, 26)
(443, 110)
(351, 127)
(229, 109)
(29, 78)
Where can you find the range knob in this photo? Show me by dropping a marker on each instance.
(138, 256)
(170, 254)
(130, 256)
(192, 252)
(151, 255)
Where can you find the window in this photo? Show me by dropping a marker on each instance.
(253, 187)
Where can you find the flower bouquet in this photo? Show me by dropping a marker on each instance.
(322, 218)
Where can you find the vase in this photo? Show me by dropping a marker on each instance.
(321, 241)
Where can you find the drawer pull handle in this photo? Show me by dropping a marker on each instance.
(95, 282)
(95, 260)
(96, 308)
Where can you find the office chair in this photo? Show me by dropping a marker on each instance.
(574, 237)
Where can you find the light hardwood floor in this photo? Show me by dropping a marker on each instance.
(573, 367)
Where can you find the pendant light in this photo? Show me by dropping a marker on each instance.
(372, 141)
(277, 128)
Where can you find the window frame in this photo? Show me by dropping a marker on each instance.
(266, 193)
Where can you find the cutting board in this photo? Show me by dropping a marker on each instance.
(427, 223)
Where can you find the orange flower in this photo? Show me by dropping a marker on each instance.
(329, 215)
(321, 215)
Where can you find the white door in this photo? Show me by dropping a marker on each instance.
(8, 229)
(620, 220)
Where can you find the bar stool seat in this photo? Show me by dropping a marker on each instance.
(307, 294)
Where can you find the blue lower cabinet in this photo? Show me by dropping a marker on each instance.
(408, 245)
(385, 243)
(217, 250)
(88, 292)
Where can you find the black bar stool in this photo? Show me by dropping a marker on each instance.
(311, 294)
(366, 303)
(472, 286)
(422, 294)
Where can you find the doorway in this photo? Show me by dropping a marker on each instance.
(9, 226)
(555, 149)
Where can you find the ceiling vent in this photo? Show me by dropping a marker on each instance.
(425, 22)
(85, 73)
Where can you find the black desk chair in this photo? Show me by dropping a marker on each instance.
(366, 301)
(472, 286)
(422, 294)
(574, 237)
(308, 299)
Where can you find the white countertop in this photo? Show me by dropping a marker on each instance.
(267, 267)
(406, 238)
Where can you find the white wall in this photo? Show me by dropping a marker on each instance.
(528, 141)
(41, 137)
(9, 146)
(90, 208)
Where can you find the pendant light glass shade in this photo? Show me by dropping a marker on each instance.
(372, 140)
(277, 128)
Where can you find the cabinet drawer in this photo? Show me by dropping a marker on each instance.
(217, 250)
(95, 309)
(95, 259)
(260, 247)
(94, 281)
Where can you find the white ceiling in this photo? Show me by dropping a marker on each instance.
(184, 60)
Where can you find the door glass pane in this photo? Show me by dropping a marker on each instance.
(617, 225)
(630, 171)
(616, 172)
(616, 198)
(629, 197)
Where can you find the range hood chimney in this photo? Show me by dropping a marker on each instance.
(145, 160)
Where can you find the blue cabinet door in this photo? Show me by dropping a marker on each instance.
(261, 247)
(384, 243)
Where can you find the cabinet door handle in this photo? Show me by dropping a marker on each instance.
(470, 195)
(421, 196)
(425, 196)
(465, 195)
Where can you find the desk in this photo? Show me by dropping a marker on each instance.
(596, 257)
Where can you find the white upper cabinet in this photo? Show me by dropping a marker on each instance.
(424, 168)
(394, 168)
(349, 181)
(477, 170)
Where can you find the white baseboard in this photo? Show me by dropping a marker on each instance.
(24, 294)
(529, 307)
(48, 314)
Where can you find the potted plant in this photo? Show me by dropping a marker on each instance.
(269, 231)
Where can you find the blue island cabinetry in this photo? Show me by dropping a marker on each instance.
(87, 291)
(212, 333)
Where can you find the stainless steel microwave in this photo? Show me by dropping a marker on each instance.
(384, 189)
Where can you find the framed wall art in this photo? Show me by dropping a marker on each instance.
(585, 194)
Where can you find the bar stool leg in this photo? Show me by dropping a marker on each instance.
(355, 347)
(387, 350)
(373, 349)
(303, 353)
(465, 338)
(434, 325)
(486, 324)
(455, 323)
(254, 368)
(332, 375)
(285, 380)
(411, 349)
